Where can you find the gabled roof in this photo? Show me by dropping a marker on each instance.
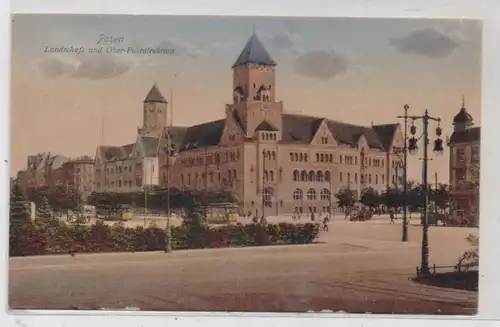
(386, 134)
(302, 129)
(155, 95)
(469, 135)
(203, 135)
(254, 53)
(265, 126)
(113, 153)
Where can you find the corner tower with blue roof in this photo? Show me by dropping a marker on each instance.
(254, 86)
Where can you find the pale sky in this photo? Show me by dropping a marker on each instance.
(354, 70)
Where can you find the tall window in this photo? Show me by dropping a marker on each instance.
(268, 192)
(298, 195)
(296, 176)
(325, 194)
(327, 176)
(311, 194)
(319, 176)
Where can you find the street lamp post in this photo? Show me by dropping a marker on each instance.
(438, 149)
(404, 237)
(168, 229)
(263, 181)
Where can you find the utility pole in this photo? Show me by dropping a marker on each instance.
(438, 149)
(404, 237)
(263, 181)
(168, 243)
(205, 184)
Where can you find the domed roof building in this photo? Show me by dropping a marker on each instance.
(464, 168)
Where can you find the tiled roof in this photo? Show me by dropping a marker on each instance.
(266, 126)
(466, 136)
(155, 95)
(254, 53)
(386, 134)
(111, 153)
(203, 135)
(177, 135)
(301, 129)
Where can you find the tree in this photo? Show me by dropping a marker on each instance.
(393, 198)
(19, 210)
(470, 258)
(44, 212)
(346, 199)
(369, 197)
(440, 197)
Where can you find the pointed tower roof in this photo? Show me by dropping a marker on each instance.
(463, 116)
(254, 53)
(155, 95)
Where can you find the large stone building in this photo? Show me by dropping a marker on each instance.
(46, 169)
(133, 166)
(464, 167)
(273, 161)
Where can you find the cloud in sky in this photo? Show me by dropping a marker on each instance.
(428, 43)
(321, 64)
(283, 41)
(90, 66)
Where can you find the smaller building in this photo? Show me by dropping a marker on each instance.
(76, 174)
(464, 146)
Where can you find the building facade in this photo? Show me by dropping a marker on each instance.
(465, 158)
(272, 161)
(46, 169)
(131, 167)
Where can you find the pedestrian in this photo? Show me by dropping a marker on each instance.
(391, 215)
(325, 224)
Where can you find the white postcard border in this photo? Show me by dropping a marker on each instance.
(487, 10)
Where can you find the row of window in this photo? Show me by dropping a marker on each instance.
(369, 162)
(363, 178)
(311, 176)
(212, 176)
(212, 158)
(311, 195)
(461, 156)
(269, 136)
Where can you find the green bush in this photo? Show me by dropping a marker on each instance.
(37, 239)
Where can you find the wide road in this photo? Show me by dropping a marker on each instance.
(357, 267)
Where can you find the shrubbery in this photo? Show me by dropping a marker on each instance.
(52, 238)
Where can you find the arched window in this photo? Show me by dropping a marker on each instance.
(303, 176)
(321, 157)
(234, 174)
(330, 158)
(311, 194)
(298, 195)
(268, 155)
(325, 194)
(271, 175)
(291, 156)
(268, 193)
(273, 155)
(182, 178)
(376, 179)
(348, 177)
(229, 175)
(196, 179)
(301, 157)
(296, 175)
(317, 156)
(327, 176)
(305, 157)
(356, 178)
(296, 157)
(319, 176)
(311, 176)
(266, 175)
(383, 179)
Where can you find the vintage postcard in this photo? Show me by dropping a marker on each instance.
(253, 164)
